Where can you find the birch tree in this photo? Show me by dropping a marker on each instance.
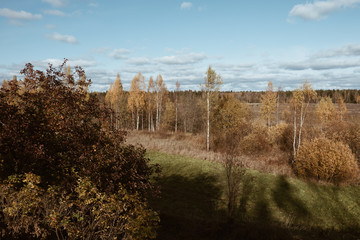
(150, 93)
(161, 92)
(341, 108)
(176, 104)
(108, 102)
(268, 104)
(114, 98)
(279, 90)
(300, 102)
(325, 111)
(136, 100)
(117, 97)
(212, 83)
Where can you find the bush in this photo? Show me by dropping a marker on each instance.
(53, 130)
(85, 213)
(324, 159)
(257, 141)
(346, 132)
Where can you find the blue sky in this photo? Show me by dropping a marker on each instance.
(247, 42)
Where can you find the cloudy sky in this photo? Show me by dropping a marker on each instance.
(247, 42)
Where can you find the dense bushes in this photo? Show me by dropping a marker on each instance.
(57, 154)
(346, 132)
(257, 141)
(327, 160)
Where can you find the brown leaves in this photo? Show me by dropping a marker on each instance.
(51, 128)
(324, 159)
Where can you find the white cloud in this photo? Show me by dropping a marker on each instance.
(321, 65)
(344, 57)
(347, 50)
(55, 3)
(186, 5)
(138, 61)
(320, 9)
(18, 15)
(119, 53)
(54, 12)
(234, 67)
(183, 59)
(63, 38)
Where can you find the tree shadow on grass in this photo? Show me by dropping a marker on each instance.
(192, 208)
(188, 206)
(285, 199)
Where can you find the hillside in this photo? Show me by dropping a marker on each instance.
(270, 206)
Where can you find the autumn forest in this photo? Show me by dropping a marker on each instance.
(150, 163)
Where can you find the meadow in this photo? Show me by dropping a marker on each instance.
(270, 206)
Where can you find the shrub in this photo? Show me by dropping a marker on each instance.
(257, 141)
(85, 213)
(54, 130)
(346, 132)
(327, 160)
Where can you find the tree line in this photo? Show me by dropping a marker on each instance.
(286, 119)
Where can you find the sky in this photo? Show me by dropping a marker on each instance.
(248, 43)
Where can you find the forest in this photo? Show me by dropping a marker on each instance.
(149, 163)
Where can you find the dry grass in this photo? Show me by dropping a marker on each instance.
(179, 144)
(189, 145)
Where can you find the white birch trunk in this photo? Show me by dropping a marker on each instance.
(208, 122)
(294, 140)
(176, 115)
(157, 110)
(137, 120)
(302, 119)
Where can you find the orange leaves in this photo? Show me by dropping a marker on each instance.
(268, 103)
(136, 99)
(324, 159)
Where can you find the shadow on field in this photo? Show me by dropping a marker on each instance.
(192, 208)
(284, 198)
(188, 206)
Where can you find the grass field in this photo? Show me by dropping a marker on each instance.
(192, 204)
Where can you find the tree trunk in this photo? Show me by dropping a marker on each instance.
(277, 108)
(208, 122)
(149, 115)
(176, 114)
(111, 117)
(294, 140)
(152, 124)
(137, 120)
(302, 118)
(157, 111)
(142, 120)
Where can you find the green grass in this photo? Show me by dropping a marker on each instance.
(192, 204)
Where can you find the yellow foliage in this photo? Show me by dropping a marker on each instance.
(257, 141)
(229, 118)
(324, 159)
(325, 110)
(268, 103)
